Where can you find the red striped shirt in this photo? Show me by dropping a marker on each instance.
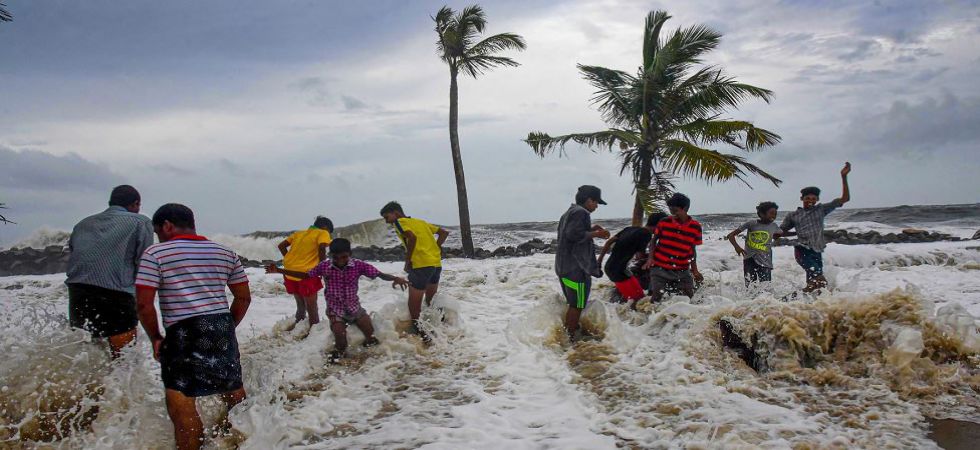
(675, 243)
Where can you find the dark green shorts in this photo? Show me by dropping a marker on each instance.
(576, 292)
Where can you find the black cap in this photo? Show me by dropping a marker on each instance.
(592, 192)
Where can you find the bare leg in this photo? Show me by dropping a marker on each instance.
(571, 320)
(816, 283)
(231, 399)
(118, 341)
(234, 397)
(430, 292)
(339, 329)
(312, 310)
(366, 327)
(188, 429)
(300, 307)
(415, 302)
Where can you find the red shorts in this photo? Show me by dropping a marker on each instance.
(630, 288)
(305, 287)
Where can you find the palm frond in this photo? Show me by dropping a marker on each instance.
(615, 97)
(2, 218)
(653, 196)
(689, 160)
(496, 43)
(478, 65)
(543, 144)
(470, 24)
(737, 133)
(5, 15)
(651, 35)
(718, 96)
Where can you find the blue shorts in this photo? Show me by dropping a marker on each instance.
(423, 277)
(810, 260)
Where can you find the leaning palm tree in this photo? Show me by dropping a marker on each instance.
(460, 49)
(664, 119)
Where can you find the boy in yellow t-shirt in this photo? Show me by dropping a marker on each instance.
(302, 251)
(423, 258)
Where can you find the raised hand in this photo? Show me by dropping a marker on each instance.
(846, 170)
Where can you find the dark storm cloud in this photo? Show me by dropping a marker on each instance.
(32, 169)
(933, 126)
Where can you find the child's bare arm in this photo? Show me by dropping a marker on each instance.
(731, 238)
(846, 194)
(395, 280)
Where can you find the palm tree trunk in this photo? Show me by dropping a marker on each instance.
(464, 210)
(646, 169)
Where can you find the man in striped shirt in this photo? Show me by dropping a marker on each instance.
(673, 258)
(199, 355)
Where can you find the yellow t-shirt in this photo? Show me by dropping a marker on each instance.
(427, 252)
(304, 250)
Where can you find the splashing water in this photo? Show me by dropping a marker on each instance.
(863, 366)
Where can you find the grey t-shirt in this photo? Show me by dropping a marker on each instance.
(758, 241)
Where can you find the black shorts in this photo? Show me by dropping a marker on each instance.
(200, 356)
(755, 272)
(100, 311)
(673, 281)
(423, 276)
(576, 292)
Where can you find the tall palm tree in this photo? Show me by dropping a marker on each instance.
(460, 48)
(664, 119)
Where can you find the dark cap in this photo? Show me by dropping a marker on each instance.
(592, 192)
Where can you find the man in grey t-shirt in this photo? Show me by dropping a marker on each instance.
(757, 254)
(575, 262)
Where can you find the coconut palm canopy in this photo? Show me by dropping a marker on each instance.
(665, 120)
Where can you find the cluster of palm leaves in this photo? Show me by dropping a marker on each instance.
(2, 218)
(664, 120)
(5, 15)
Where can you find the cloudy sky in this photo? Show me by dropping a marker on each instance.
(261, 115)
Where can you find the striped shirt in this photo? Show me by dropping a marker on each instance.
(106, 249)
(675, 243)
(190, 273)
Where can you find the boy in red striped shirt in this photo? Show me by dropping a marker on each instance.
(673, 257)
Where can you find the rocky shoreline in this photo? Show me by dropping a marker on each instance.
(54, 259)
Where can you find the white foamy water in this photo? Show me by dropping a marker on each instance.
(500, 375)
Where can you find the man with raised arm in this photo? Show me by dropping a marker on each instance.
(199, 354)
(809, 223)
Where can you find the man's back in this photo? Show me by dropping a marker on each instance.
(106, 247)
(190, 273)
(427, 252)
